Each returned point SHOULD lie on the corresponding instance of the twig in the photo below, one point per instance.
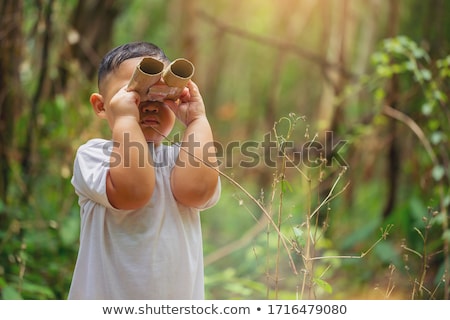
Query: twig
(410, 123)
(330, 195)
(384, 234)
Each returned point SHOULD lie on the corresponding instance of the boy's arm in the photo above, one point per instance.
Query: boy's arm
(193, 179)
(131, 178)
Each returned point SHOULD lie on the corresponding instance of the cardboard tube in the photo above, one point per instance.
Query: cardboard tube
(146, 74)
(177, 75)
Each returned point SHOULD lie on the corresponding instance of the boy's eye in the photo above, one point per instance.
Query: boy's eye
(147, 104)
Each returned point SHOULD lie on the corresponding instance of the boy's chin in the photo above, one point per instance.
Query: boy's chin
(154, 138)
(154, 133)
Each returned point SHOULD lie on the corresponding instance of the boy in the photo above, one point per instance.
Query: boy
(140, 199)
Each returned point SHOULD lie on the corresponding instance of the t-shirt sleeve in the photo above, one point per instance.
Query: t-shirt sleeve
(91, 167)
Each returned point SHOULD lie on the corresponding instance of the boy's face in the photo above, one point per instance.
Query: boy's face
(156, 118)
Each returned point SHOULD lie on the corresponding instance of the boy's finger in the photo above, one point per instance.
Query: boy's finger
(171, 104)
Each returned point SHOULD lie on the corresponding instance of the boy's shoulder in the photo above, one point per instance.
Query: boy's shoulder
(94, 143)
(95, 149)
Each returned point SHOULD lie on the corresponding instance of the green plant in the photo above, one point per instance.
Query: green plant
(411, 88)
(299, 257)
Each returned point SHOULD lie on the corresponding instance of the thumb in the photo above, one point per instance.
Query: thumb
(171, 104)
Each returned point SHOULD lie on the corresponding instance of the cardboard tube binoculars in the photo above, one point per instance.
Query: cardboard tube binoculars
(147, 75)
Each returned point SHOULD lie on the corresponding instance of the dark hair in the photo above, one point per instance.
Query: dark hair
(112, 60)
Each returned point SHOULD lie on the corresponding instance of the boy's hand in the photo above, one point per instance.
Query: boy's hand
(124, 104)
(189, 106)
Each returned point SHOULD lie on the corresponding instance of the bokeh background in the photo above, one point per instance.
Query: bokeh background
(350, 96)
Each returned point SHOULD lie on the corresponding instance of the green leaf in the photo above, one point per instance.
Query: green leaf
(10, 293)
(323, 284)
(298, 232)
(286, 186)
(398, 68)
(417, 208)
(380, 94)
(427, 108)
(438, 219)
(419, 52)
(446, 235)
(440, 96)
(380, 58)
(38, 291)
(437, 137)
(434, 124)
(443, 62)
(446, 201)
(426, 74)
(386, 252)
(410, 65)
(384, 71)
(438, 172)
(69, 230)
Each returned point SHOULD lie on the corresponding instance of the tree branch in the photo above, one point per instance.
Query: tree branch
(410, 123)
(275, 43)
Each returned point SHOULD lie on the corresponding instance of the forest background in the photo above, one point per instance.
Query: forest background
(332, 126)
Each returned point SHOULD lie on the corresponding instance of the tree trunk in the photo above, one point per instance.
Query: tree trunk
(92, 29)
(10, 91)
(393, 154)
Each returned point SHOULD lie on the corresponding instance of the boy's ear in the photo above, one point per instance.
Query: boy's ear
(98, 105)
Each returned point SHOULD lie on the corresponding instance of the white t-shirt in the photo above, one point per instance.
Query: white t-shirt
(151, 253)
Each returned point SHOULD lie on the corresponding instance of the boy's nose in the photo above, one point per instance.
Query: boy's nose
(150, 108)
